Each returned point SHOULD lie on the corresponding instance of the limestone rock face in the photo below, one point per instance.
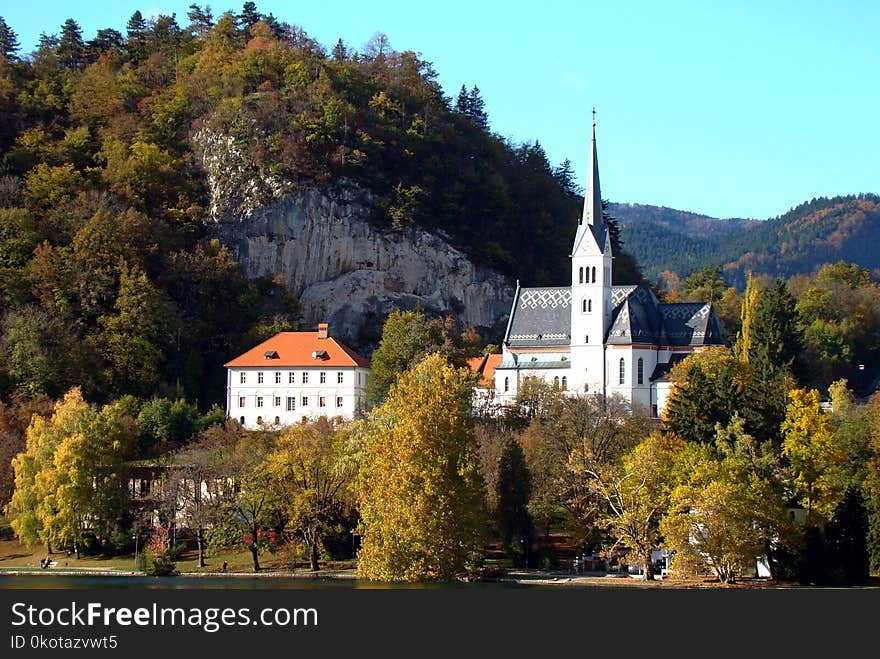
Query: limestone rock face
(352, 275)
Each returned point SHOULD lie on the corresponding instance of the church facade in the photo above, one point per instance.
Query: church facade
(592, 337)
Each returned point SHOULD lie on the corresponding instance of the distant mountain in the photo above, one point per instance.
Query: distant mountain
(816, 232)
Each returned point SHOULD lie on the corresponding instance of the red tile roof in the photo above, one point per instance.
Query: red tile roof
(485, 366)
(298, 349)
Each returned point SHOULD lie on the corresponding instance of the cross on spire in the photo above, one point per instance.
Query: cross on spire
(594, 116)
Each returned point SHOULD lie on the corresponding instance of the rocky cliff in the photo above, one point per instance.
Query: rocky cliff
(344, 270)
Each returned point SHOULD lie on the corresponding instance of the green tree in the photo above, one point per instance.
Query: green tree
(513, 491)
(709, 387)
(71, 49)
(8, 41)
(421, 460)
(136, 34)
(314, 472)
(705, 285)
(135, 337)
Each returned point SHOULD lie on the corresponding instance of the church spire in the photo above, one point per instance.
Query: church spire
(591, 221)
(592, 195)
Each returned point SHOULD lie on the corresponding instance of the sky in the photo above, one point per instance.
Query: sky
(731, 109)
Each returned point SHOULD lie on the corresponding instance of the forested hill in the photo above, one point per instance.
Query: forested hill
(108, 276)
(817, 232)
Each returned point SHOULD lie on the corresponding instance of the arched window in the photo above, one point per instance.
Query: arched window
(594, 274)
(564, 383)
(589, 305)
(556, 382)
(584, 305)
(277, 420)
(588, 275)
(640, 371)
(581, 275)
(622, 370)
(506, 384)
(241, 420)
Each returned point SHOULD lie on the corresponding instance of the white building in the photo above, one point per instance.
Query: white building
(296, 375)
(594, 337)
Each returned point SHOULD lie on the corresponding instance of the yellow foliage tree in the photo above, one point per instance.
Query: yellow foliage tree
(421, 490)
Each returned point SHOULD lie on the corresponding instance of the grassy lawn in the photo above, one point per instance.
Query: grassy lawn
(15, 556)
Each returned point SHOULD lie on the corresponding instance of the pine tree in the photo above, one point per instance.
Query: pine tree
(249, 16)
(340, 52)
(476, 107)
(136, 34)
(71, 49)
(201, 19)
(8, 41)
(513, 489)
(462, 102)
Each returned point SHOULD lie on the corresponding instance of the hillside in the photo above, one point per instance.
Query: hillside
(798, 242)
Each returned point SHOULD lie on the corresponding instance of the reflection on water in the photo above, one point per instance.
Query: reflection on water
(61, 582)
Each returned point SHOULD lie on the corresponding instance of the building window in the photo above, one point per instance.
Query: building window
(305, 401)
(305, 378)
(622, 377)
(322, 401)
(291, 403)
(277, 420)
(277, 401)
(339, 401)
(564, 383)
(259, 401)
(654, 410)
(556, 382)
(242, 378)
(594, 274)
(586, 338)
(277, 377)
(241, 400)
(584, 305)
(260, 377)
(581, 276)
(322, 378)
(340, 377)
(640, 371)
(589, 306)
(291, 378)
(506, 384)
(241, 420)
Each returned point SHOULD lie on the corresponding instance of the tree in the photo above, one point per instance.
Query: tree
(71, 49)
(846, 541)
(8, 41)
(136, 33)
(726, 509)
(71, 476)
(313, 471)
(421, 491)
(407, 337)
(708, 388)
(705, 285)
(340, 51)
(635, 493)
(249, 16)
(513, 491)
(135, 337)
(810, 447)
(201, 20)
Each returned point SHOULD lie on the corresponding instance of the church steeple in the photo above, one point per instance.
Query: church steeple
(591, 221)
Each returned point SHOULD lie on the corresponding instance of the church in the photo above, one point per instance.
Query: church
(593, 337)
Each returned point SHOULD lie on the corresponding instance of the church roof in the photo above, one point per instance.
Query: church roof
(540, 317)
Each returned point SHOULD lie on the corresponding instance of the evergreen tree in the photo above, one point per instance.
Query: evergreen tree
(564, 174)
(105, 41)
(340, 52)
(249, 16)
(462, 103)
(846, 540)
(136, 34)
(201, 19)
(476, 107)
(513, 490)
(71, 49)
(8, 41)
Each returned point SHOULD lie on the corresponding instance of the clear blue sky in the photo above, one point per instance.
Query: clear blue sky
(740, 108)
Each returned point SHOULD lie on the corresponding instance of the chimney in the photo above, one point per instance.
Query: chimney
(323, 330)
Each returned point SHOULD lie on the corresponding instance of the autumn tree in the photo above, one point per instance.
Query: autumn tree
(726, 508)
(634, 493)
(421, 492)
(313, 470)
(71, 477)
(813, 453)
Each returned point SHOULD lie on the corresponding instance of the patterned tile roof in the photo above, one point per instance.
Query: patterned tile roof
(540, 317)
